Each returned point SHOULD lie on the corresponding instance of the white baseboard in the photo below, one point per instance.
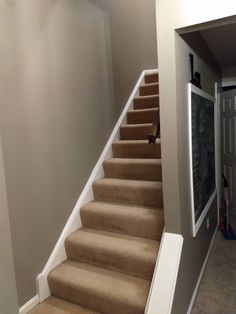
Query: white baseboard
(58, 254)
(29, 305)
(201, 273)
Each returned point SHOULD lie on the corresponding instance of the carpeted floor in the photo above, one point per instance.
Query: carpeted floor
(217, 292)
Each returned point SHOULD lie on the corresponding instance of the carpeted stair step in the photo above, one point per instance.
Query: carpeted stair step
(136, 149)
(149, 89)
(127, 254)
(151, 78)
(146, 102)
(99, 289)
(54, 305)
(148, 193)
(133, 168)
(146, 222)
(136, 131)
(142, 116)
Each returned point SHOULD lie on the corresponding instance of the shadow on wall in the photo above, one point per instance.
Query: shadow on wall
(133, 43)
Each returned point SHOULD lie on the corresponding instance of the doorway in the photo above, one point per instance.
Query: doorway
(214, 44)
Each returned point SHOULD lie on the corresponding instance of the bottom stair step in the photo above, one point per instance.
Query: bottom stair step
(58, 306)
(99, 289)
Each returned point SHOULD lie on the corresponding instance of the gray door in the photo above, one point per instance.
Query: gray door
(228, 143)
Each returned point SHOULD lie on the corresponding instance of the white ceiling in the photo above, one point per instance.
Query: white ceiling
(222, 43)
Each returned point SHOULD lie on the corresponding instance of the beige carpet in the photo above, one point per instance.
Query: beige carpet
(111, 259)
(58, 306)
(217, 292)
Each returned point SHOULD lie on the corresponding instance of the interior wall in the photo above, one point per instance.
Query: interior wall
(8, 293)
(174, 70)
(194, 249)
(229, 77)
(133, 42)
(56, 113)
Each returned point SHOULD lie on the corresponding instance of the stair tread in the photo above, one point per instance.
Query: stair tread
(129, 219)
(127, 254)
(99, 288)
(136, 149)
(123, 207)
(139, 161)
(156, 96)
(136, 131)
(54, 305)
(151, 74)
(133, 168)
(146, 101)
(115, 241)
(127, 183)
(141, 125)
(149, 84)
(140, 192)
(128, 142)
(155, 109)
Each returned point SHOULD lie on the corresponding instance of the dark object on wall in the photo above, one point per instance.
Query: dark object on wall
(195, 78)
(227, 231)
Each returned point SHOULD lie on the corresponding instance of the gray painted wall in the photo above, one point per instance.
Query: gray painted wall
(61, 63)
(174, 74)
(133, 43)
(8, 293)
(56, 114)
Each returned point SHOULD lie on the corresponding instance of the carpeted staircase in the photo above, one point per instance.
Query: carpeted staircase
(111, 259)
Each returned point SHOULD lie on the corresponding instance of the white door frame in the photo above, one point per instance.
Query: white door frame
(217, 149)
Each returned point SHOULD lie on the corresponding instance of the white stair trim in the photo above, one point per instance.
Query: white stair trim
(58, 254)
(164, 280)
(24, 309)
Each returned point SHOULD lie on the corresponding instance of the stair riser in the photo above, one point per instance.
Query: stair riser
(129, 195)
(136, 150)
(149, 227)
(151, 78)
(146, 90)
(88, 298)
(140, 266)
(136, 117)
(146, 103)
(133, 171)
(136, 133)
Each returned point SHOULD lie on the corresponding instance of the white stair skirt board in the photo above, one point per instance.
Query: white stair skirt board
(58, 254)
(164, 280)
(24, 309)
(201, 274)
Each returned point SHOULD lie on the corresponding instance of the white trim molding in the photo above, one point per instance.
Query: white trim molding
(24, 309)
(58, 254)
(218, 148)
(197, 224)
(164, 280)
(201, 273)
